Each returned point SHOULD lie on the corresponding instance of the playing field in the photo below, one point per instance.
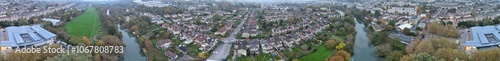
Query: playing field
(87, 24)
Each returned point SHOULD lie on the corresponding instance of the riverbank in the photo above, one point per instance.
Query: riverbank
(363, 49)
(132, 48)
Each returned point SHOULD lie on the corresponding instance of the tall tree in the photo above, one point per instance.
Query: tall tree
(425, 57)
(72, 57)
(486, 55)
(202, 55)
(451, 54)
(407, 57)
(330, 44)
(389, 28)
(441, 42)
(393, 56)
(383, 49)
(86, 41)
(111, 40)
(412, 46)
(101, 43)
(406, 31)
(337, 58)
(344, 54)
(425, 47)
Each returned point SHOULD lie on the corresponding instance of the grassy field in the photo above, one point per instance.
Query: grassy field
(319, 55)
(87, 24)
(265, 57)
(245, 58)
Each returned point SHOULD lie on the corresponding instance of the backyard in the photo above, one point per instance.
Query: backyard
(87, 24)
(319, 55)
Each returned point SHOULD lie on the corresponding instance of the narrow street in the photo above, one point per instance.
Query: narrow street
(224, 48)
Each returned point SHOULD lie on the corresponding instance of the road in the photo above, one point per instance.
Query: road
(437, 13)
(224, 48)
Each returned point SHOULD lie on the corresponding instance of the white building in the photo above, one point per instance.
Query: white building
(403, 10)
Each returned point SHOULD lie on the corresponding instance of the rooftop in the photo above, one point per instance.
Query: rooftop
(484, 36)
(24, 35)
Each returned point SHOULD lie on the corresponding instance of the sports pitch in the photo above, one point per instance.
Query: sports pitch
(87, 24)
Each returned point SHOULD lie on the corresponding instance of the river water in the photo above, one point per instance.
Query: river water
(132, 48)
(363, 49)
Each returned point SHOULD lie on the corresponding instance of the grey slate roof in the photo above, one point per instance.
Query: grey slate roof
(25, 35)
(484, 36)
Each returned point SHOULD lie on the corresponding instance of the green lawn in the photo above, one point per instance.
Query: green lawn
(319, 55)
(296, 51)
(265, 57)
(87, 24)
(193, 50)
(288, 53)
(245, 58)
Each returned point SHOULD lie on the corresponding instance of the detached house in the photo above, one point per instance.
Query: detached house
(241, 47)
(163, 44)
(266, 46)
(222, 31)
(254, 46)
(171, 54)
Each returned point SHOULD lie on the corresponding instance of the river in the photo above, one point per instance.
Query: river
(132, 48)
(363, 49)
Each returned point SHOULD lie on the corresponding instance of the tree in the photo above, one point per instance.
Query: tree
(97, 57)
(425, 57)
(340, 46)
(389, 28)
(202, 55)
(36, 20)
(424, 47)
(442, 42)
(383, 49)
(111, 40)
(295, 59)
(412, 46)
(420, 9)
(134, 28)
(377, 14)
(336, 58)
(75, 40)
(486, 55)
(330, 44)
(343, 54)
(1, 59)
(451, 54)
(349, 38)
(392, 23)
(216, 17)
(449, 23)
(443, 30)
(21, 57)
(407, 57)
(86, 40)
(148, 45)
(406, 31)
(72, 57)
(101, 43)
(393, 56)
